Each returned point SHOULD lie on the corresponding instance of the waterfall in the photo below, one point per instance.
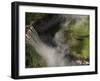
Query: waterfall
(54, 56)
(53, 48)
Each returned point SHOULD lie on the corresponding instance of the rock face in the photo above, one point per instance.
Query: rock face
(47, 27)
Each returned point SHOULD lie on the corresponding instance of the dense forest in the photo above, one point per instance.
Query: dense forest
(66, 33)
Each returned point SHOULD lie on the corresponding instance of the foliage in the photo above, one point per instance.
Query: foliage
(77, 37)
(34, 17)
(32, 58)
